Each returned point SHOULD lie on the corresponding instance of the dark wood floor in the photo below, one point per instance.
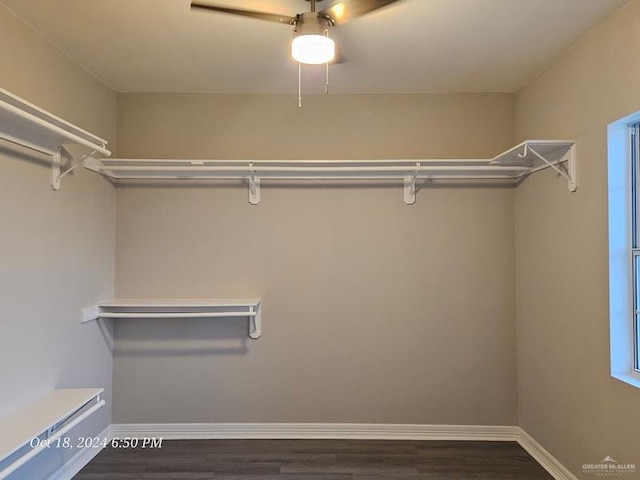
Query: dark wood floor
(316, 460)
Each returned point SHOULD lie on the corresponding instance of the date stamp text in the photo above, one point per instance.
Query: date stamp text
(97, 442)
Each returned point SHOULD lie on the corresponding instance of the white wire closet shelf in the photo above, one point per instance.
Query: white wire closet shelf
(29, 126)
(180, 308)
(41, 424)
(511, 166)
(25, 124)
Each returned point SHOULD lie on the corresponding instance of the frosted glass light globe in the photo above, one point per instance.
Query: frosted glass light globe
(313, 49)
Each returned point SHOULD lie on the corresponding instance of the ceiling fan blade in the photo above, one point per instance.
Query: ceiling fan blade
(270, 17)
(346, 10)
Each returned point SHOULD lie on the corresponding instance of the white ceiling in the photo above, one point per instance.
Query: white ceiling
(410, 46)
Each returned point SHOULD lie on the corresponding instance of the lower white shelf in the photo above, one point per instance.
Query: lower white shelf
(52, 417)
(180, 308)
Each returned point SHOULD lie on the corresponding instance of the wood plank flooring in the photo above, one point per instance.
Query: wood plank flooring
(316, 460)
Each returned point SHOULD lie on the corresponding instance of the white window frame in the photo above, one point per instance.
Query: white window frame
(622, 288)
(634, 132)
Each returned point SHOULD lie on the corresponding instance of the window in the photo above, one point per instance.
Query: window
(624, 248)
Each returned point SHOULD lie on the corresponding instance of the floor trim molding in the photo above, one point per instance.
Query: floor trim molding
(556, 469)
(171, 431)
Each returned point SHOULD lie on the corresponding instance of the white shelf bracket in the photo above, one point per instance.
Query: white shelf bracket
(571, 174)
(56, 176)
(254, 186)
(90, 314)
(56, 161)
(410, 186)
(255, 322)
(572, 168)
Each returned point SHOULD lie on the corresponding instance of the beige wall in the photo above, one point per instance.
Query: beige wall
(327, 127)
(374, 311)
(56, 248)
(567, 400)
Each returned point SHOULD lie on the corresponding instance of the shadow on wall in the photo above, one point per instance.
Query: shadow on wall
(24, 155)
(173, 337)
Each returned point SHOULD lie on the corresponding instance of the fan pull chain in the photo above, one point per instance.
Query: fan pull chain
(326, 78)
(299, 85)
(326, 72)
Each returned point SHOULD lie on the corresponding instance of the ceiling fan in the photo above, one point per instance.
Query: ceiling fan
(311, 42)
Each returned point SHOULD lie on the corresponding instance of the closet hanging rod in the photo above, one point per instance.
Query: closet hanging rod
(493, 176)
(256, 169)
(199, 161)
(104, 314)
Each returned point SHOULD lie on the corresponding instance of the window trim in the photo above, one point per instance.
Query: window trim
(621, 291)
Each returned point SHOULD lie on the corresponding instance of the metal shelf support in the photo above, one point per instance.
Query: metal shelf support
(539, 155)
(255, 321)
(570, 159)
(254, 187)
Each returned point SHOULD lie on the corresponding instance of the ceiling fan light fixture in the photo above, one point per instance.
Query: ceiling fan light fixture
(311, 43)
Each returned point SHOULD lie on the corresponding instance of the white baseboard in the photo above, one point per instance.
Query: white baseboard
(353, 431)
(175, 431)
(543, 457)
(79, 460)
